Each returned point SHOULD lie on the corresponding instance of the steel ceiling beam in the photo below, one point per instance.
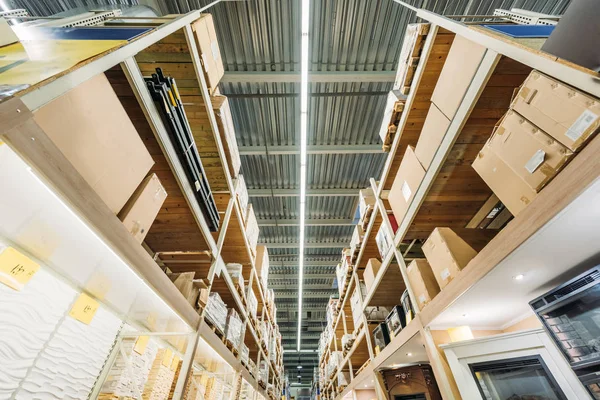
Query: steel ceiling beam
(313, 76)
(316, 149)
(295, 277)
(307, 222)
(332, 263)
(307, 285)
(296, 192)
(321, 245)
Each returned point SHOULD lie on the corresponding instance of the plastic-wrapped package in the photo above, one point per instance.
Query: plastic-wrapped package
(263, 371)
(357, 305)
(160, 378)
(377, 314)
(347, 341)
(244, 353)
(343, 378)
(242, 194)
(330, 312)
(251, 301)
(233, 329)
(216, 311)
(357, 238)
(235, 272)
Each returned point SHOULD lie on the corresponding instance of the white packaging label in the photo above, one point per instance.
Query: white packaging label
(214, 47)
(422, 299)
(406, 192)
(445, 274)
(585, 120)
(535, 161)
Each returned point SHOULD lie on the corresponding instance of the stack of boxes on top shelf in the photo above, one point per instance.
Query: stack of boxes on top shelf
(250, 223)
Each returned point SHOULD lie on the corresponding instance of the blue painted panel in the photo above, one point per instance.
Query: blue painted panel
(523, 31)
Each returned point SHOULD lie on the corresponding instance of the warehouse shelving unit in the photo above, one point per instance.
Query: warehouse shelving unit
(181, 240)
(450, 194)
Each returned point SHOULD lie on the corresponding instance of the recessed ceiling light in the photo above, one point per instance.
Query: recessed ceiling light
(299, 367)
(409, 354)
(518, 277)
(299, 376)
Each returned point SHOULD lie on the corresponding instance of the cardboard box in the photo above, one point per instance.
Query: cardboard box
(371, 271)
(366, 201)
(568, 115)
(97, 137)
(208, 46)
(184, 282)
(435, 127)
(422, 281)
(447, 254)
(407, 181)
(142, 208)
(534, 156)
(383, 241)
(222, 111)
(262, 265)
(512, 191)
(388, 113)
(456, 76)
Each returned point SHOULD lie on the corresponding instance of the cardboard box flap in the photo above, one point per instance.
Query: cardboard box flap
(434, 129)
(408, 179)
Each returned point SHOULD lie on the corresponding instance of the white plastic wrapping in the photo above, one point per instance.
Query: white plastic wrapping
(216, 311)
(233, 329)
(251, 302)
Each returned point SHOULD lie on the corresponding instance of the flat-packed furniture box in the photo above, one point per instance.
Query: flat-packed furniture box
(422, 281)
(222, 111)
(371, 271)
(252, 229)
(383, 241)
(210, 55)
(435, 127)
(235, 272)
(184, 282)
(142, 208)
(447, 254)
(408, 178)
(459, 69)
(262, 265)
(97, 137)
(566, 114)
(513, 191)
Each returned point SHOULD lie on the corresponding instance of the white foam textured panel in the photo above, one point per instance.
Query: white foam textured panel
(28, 318)
(72, 360)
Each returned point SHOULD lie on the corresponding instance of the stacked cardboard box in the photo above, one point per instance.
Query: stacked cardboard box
(233, 329)
(141, 209)
(208, 46)
(185, 283)
(222, 111)
(129, 382)
(194, 389)
(371, 271)
(160, 377)
(447, 254)
(331, 311)
(216, 311)
(262, 265)
(391, 117)
(414, 40)
(356, 304)
(547, 124)
(383, 240)
(252, 229)
(357, 237)
(343, 271)
(366, 203)
(244, 353)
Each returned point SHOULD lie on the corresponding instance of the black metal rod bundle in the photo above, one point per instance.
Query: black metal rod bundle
(166, 96)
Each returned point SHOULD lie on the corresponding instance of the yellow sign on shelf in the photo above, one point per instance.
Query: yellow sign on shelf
(16, 269)
(167, 357)
(84, 309)
(175, 362)
(140, 344)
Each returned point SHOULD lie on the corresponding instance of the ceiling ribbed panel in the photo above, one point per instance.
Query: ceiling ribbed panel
(343, 170)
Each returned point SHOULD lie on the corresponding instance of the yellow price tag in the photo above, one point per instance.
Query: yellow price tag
(175, 362)
(84, 309)
(140, 344)
(16, 269)
(167, 357)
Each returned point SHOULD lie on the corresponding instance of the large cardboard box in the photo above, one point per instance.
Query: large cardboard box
(513, 191)
(459, 69)
(422, 281)
(447, 254)
(185, 283)
(262, 265)
(371, 270)
(569, 116)
(97, 137)
(534, 156)
(210, 55)
(222, 111)
(435, 127)
(142, 208)
(407, 181)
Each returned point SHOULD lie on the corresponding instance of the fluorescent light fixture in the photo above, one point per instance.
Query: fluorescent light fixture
(303, 129)
(299, 367)
(409, 354)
